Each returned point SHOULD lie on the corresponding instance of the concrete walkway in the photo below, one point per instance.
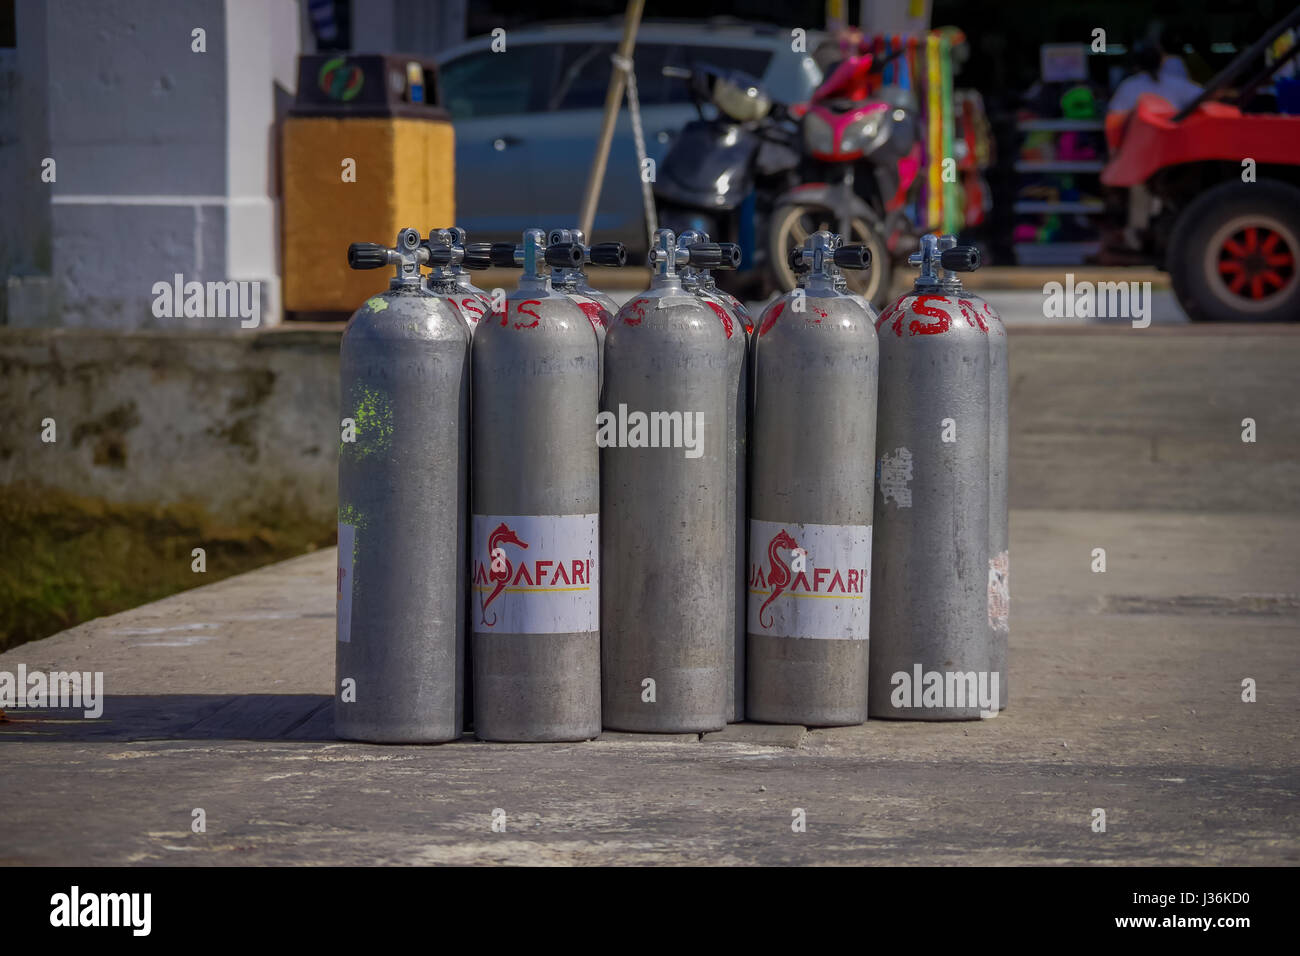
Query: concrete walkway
(1126, 696)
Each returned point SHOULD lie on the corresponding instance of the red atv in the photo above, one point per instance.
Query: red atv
(1228, 181)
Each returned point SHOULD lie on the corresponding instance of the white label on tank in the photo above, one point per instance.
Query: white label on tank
(1000, 591)
(347, 542)
(536, 574)
(894, 478)
(809, 580)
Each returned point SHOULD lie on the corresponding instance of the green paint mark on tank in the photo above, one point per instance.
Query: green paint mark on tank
(351, 515)
(374, 423)
(377, 303)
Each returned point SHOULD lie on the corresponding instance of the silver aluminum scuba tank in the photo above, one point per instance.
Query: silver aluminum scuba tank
(734, 319)
(999, 433)
(403, 482)
(930, 650)
(815, 386)
(536, 509)
(665, 523)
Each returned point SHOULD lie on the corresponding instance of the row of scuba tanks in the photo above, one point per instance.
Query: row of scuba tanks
(557, 515)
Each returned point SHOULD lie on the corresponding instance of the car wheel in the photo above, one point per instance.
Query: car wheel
(1233, 257)
(791, 225)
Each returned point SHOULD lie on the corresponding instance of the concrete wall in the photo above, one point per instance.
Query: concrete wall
(165, 157)
(244, 426)
(247, 425)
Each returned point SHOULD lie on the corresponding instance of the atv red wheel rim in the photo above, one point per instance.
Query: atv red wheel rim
(1256, 262)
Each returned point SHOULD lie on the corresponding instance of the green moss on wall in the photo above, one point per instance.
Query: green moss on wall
(67, 559)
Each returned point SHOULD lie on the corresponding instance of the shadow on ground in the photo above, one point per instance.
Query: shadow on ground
(179, 717)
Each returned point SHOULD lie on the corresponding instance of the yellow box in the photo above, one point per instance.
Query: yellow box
(405, 176)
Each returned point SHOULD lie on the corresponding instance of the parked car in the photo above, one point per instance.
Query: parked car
(527, 118)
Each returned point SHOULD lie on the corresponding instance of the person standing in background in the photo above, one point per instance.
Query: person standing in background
(1162, 72)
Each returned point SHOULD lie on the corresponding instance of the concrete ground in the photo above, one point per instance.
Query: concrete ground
(1126, 697)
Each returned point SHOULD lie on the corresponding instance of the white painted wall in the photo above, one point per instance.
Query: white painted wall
(166, 157)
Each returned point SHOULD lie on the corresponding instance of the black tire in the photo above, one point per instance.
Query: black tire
(1219, 241)
(784, 233)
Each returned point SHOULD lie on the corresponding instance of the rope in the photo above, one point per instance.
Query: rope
(638, 136)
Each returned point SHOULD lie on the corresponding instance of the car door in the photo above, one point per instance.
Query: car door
(494, 100)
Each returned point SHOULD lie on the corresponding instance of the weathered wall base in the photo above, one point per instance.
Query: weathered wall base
(164, 442)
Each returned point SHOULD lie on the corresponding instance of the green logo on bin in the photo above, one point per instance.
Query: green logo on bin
(340, 81)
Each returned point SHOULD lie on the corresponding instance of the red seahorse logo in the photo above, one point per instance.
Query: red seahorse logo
(778, 575)
(499, 566)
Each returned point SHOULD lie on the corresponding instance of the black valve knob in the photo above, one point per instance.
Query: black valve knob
(609, 254)
(705, 255)
(478, 255)
(730, 255)
(503, 254)
(440, 255)
(853, 257)
(960, 259)
(564, 255)
(367, 255)
(795, 259)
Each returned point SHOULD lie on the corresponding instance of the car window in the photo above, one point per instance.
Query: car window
(584, 72)
(583, 77)
(496, 84)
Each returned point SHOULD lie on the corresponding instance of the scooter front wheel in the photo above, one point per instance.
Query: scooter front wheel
(791, 225)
